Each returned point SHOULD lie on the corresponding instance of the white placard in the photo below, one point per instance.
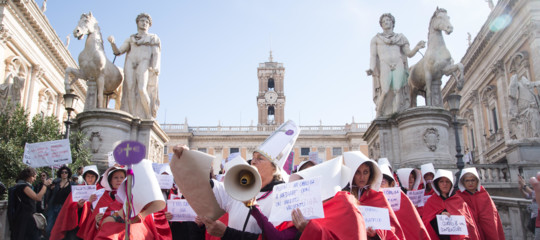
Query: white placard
(314, 157)
(165, 181)
(377, 218)
(181, 211)
(110, 159)
(417, 197)
(425, 200)
(79, 192)
(49, 153)
(453, 225)
(393, 195)
(102, 210)
(98, 193)
(303, 194)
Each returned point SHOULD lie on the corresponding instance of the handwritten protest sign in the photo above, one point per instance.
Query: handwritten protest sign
(377, 218)
(165, 181)
(453, 225)
(393, 195)
(303, 194)
(49, 153)
(103, 210)
(417, 197)
(82, 192)
(98, 193)
(180, 210)
(425, 199)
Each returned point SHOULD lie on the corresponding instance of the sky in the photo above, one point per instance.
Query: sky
(211, 50)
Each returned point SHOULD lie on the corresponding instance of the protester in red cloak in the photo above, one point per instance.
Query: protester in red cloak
(482, 206)
(73, 214)
(112, 180)
(444, 203)
(408, 217)
(364, 185)
(428, 173)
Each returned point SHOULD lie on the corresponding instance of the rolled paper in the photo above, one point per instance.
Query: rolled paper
(192, 176)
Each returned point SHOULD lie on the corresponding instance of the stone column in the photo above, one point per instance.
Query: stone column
(502, 97)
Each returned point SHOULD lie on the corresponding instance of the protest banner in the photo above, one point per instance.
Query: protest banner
(417, 197)
(303, 194)
(377, 218)
(82, 192)
(44, 154)
(180, 210)
(393, 195)
(165, 181)
(453, 225)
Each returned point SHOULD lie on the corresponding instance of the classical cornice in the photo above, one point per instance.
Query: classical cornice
(39, 29)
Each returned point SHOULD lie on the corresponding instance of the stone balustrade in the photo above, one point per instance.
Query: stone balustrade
(254, 130)
(514, 215)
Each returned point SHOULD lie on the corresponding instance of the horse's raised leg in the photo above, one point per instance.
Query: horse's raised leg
(72, 75)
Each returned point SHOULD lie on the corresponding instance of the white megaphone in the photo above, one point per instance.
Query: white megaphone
(242, 181)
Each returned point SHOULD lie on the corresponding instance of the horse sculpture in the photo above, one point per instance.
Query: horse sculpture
(425, 76)
(94, 66)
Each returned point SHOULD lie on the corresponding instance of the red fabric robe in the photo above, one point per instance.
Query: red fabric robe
(374, 198)
(88, 230)
(342, 220)
(161, 226)
(68, 218)
(485, 214)
(410, 220)
(455, 205)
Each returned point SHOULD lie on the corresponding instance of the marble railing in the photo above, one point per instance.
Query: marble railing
(514, 215)
(214, 130)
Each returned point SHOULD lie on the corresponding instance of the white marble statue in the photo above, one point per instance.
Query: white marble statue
(425, 77)
(524, 108)
(389, 67)
(141, 69)
(94, 66)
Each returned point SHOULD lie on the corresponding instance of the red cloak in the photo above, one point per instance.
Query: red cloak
(455, 205)
(410, 220)
(374, 198)
(116, 231)
(342, 220)
(161, 226)
(88, 230)
(485, 214)
(68, 218)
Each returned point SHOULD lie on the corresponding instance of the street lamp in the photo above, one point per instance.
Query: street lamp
(69, 101)
(453, 103)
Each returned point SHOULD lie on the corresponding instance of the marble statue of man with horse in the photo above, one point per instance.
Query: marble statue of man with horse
(425, 77)
(94, 67)
(389, 67)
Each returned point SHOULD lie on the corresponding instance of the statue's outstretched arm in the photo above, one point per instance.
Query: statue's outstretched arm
(411, 53)
(118, 51)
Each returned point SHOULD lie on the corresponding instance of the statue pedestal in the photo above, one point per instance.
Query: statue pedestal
(414, 137)
(106, 128)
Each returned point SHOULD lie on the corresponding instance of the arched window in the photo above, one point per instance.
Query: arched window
(271, 115)
(271, 84)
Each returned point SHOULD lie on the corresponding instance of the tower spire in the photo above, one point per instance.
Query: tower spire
(271, 58)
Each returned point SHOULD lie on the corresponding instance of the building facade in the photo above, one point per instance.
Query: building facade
(221, 141)
(33, 60)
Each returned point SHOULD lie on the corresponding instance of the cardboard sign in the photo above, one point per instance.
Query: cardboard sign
(79, 192)
(181, 211)
(98, 193)
(49, 153)
(417, 197)
(393, 195)
(165, 181)
(453, 225)
(377, 218)
(303, 194)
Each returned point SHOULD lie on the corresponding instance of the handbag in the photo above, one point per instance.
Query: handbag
(41, 221)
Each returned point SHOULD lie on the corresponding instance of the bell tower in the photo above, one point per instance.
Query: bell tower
(271, 98)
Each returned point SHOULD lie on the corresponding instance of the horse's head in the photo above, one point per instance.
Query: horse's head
(87, 24)
(441, 21)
